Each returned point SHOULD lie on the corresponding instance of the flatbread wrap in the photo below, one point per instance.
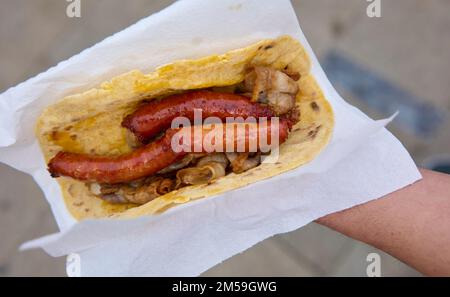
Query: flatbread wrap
(111, 148)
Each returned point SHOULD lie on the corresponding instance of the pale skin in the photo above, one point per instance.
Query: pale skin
(411, 224)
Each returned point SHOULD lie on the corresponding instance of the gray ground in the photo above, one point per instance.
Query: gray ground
(408, 46)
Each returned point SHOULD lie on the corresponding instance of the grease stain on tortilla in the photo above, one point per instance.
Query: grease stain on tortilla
(235, 7)
(196, 40)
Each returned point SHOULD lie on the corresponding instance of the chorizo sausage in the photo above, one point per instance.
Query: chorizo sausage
(156, 155)
(156, 116)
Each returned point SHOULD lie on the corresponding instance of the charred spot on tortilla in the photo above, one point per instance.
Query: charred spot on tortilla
(93, 119)
(313, 133)
(315, 106)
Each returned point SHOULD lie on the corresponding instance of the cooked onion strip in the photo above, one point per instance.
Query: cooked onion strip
(217, 157)
(139, 192)
(241, 162)
(200, 175)
(165, 186)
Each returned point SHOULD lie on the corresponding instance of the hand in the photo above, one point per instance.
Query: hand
(411, 224)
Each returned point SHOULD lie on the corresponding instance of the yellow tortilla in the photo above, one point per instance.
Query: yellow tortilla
(90, 122)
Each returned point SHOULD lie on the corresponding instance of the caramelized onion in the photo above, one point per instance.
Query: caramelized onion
(200, 175)
(240, 162)
(138, 192)
(165, 186)
(144, 194)
(216, 157)
(114, 198)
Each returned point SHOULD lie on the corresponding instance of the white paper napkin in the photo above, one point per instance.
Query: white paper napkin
(362, 162)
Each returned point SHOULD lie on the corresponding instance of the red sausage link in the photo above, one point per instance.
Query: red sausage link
(151, 158)
(139, 163)
(157, 116)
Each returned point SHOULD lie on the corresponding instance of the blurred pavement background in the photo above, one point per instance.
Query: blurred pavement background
(399, 61)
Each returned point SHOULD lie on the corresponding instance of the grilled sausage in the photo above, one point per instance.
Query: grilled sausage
(159, 154)
(156, 116)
